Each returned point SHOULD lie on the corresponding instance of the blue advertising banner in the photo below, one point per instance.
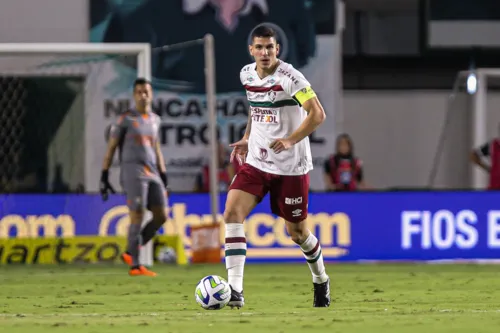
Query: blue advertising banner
(350, 227)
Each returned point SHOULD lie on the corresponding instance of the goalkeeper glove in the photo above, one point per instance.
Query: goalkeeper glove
(105, 186)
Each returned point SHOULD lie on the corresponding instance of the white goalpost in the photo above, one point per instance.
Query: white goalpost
(12, 65)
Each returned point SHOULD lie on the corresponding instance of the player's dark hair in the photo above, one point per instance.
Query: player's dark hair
(140, 81)
(263, 31)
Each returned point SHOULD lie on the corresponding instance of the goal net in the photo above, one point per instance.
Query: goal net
(50, 94)
(57, 103)
(471, 119)
(53, 116)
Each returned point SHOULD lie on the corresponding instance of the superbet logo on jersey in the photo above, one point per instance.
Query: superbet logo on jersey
(265, 116)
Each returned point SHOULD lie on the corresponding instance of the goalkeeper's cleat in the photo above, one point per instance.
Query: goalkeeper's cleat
(237, 300)
(140, 270)
(322, 294)
(127, 258)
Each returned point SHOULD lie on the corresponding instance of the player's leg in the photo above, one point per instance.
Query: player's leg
(311, 250)
(136, 192)
(289, 200)
(158, 205)
(246, 190)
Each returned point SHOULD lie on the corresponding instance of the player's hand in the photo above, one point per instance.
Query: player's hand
(164, 179)
(280, 145)
(105, 186)
(240, 150)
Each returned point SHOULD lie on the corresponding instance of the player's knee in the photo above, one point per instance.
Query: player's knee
(234, 215)
(298, 231)
(159, 216)
(136, 216)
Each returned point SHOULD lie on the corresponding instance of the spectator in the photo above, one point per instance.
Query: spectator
(490, 149)
(343, 171)
(226, 173)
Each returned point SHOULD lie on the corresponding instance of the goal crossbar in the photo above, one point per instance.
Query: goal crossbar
(142, 50)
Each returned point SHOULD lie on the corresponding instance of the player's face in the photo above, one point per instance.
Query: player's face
(265, 51)
(143, 95)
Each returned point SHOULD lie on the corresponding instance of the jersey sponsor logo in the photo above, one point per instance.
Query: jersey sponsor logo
(265, 119)
(288, 75)
(263, 154)
(265, 116)
(256, 95)
(293, 201)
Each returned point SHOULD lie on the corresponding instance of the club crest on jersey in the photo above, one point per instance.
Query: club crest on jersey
(250, 78)
(272, 95)
(271, 81)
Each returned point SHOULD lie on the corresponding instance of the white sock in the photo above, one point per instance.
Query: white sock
(312, 252)
(236, 252)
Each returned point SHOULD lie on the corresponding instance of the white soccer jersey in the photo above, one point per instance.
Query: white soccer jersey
(275, 115)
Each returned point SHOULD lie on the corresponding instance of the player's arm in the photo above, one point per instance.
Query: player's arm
(315, 114)
(249, 126)
(116, 133)
(243, 78)
(160, 161)
(476, 156)
(110, 152)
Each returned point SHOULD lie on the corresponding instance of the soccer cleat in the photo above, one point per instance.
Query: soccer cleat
(237, 300)
(127, 258)
(140, 270)
(322, 294)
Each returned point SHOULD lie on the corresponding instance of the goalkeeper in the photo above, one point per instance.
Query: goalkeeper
(143, 172)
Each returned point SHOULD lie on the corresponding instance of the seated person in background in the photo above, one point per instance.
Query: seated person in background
(343, 171)
(490, 149)
(226, 173)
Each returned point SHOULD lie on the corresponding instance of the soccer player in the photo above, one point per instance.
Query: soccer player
(143, 173)
(284, 111)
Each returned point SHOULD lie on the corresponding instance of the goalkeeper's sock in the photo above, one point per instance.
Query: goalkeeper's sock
(149, 231)
(134, 235)
(312, 252)
(236, 251)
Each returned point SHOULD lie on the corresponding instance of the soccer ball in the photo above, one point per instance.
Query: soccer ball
(167, 255)
(212, 292)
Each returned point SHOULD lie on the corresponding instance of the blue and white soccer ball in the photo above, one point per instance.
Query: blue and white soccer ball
(167, 255)
(212, 292)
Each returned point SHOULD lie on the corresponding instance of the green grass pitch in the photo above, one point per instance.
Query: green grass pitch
(366, 298)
